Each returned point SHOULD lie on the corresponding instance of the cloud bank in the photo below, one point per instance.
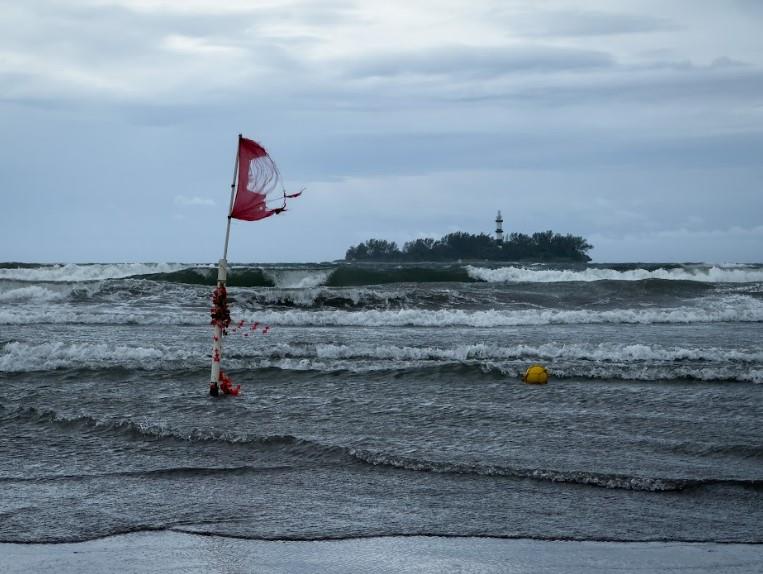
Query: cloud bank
(627, 122)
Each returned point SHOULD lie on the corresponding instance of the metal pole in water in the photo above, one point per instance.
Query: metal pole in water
(217, 337)
(222, 276)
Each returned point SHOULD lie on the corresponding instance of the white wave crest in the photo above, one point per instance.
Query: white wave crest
(68, 314)
(93, 272)
(17, 356)
(715, 274)
(565, 361)
(297, 278)
(31, 293)
(608, 352)
(729, 309)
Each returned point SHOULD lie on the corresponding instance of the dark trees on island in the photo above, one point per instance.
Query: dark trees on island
(541, 246)
(374, 250)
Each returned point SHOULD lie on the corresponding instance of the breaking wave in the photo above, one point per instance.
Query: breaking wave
(353, 275)
(86, 272)
(136, 291)
(22, 357)
(297, 278)
(599, 352)
(64, 314)
(729, 308)
(715, 274)
(343, 275)
(603, 361)
(31, 293)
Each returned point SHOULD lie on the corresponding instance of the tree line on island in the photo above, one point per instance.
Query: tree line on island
(540, 246)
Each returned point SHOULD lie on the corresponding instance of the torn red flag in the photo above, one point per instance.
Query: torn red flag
(258, 179)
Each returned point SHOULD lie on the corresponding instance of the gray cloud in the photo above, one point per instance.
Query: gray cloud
(586, 23)
(109, 52)
(672, 84)
(421, 153)
(640, 123)
(473, 61)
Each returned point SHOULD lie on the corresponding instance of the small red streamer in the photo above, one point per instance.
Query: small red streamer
(220, 312)
(226, 385)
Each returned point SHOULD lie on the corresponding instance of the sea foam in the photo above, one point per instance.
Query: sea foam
(297, 278)
(591, 352)
(734, 308)
(727, 308)
(715, 274)
(565, 360)
(31, 293)
(84, 272)
(21, 357)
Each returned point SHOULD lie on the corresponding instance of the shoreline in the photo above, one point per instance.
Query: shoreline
(163, 551)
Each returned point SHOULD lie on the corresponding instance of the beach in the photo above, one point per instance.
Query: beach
(174, 552)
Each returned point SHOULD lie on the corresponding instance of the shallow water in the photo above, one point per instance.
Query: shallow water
(384, 400)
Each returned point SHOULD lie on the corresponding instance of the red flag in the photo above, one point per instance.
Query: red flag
(257, 177)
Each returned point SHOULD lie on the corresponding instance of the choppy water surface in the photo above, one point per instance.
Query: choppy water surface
(384, 400)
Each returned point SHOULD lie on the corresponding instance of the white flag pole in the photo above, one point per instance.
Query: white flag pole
(222, 276)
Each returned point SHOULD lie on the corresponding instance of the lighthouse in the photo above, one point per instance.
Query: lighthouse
(499, 228)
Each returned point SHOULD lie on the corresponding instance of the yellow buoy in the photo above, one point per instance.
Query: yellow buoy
(536, 375)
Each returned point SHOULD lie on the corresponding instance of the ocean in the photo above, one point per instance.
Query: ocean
(384, 400)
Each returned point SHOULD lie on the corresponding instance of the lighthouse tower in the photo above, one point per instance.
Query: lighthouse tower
(499, 228)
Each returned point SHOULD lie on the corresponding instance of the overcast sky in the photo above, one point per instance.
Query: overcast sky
(637, 124)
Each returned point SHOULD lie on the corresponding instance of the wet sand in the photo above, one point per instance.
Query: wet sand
(180, 552)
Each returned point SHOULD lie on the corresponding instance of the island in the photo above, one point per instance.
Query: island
(544, 246)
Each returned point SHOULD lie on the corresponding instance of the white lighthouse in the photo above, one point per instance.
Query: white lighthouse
(499, 228)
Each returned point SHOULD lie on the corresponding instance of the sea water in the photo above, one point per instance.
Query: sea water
(384, 400)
